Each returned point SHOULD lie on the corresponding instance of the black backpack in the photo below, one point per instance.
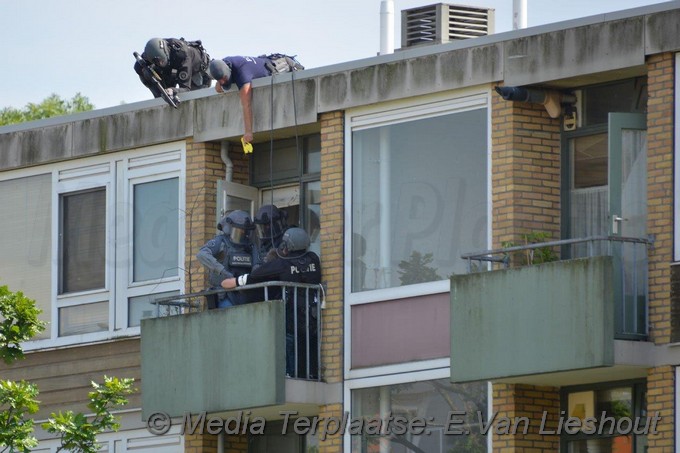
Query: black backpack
(279, 63)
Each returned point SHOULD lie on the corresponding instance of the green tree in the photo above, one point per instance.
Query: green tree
(78, 433)
(51, 106)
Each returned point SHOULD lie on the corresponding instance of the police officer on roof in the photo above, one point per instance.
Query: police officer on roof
(292, 263)
(182, 65)
(228, 255)
(270, 224)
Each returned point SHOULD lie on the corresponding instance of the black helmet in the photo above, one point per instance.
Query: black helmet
(237, 225)
(295, 239)
(219, 69)
(270, 222)
(157, 52)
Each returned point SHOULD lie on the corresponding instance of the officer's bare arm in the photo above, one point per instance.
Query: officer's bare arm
(246, 95)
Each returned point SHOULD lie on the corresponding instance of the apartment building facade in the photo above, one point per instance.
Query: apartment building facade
(399, 166)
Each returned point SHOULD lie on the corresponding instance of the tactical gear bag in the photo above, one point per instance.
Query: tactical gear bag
(279, 63)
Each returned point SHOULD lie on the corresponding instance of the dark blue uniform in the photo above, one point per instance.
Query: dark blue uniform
(300, 267)
(225, 259)
(246, 69)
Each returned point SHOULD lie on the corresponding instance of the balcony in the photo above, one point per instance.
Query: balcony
(222, 361)
(556, 323)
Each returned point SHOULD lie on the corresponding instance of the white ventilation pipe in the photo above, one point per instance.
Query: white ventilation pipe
(386, 27)
(224, 153)
(519, 14)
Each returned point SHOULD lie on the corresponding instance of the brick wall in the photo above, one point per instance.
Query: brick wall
(514, 400)
(332, 226)
(203, 168)
(525, 171)
(661, 399)
(660, 78)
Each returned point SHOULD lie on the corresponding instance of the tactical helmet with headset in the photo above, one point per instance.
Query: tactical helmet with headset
(237, 225)
(157, 52)
(295, 239)
(270, 222)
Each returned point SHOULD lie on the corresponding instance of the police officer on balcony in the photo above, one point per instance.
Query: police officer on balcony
(293, 262)
(270, 224)
(228, 255)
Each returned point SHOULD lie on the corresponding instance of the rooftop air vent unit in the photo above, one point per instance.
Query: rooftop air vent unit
(441, 23)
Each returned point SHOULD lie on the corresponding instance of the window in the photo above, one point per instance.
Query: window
(613, 418)
(119, 240)
(290, 179)
(419, 195)
(26, 242)
(432, 401)
(104, 235)
(155, 230)
(83, 241)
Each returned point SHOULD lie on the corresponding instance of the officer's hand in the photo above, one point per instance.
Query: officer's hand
(228, 283)
(248, 137)
(219, 88)
(171, 91)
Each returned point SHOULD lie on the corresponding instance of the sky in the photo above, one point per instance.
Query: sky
(85, 46)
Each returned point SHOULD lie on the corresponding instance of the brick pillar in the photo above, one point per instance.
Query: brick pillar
(203, 168)
(525, 171)
(511, 401)
(661, 400)
(660, 118)
(332, 225)
(200, 443)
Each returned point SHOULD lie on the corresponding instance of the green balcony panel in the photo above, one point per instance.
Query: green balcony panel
(214, 361)
(532, 320)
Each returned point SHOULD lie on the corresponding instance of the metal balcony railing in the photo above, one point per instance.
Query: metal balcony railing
(630, 279)
(303, 303)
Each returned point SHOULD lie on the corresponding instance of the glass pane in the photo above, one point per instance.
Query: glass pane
(313, 154)
(283, 164)
(431, 401)
(85, 318)
(313, 215)
(83, 247)
(419, 199)
(590, 158)
(590, 193)
(634, 213)
(624, 96)
(140, 307)
(155, 226)
(26, 240)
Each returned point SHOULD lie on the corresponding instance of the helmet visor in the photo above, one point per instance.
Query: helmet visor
(238, 235)
(270, 230)
(264, 230)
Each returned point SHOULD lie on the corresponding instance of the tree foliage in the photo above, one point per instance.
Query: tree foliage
(51, 106)
(19, 323)
(78, 433)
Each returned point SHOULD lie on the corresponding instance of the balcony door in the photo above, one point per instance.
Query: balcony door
(628, 218)
(607, 195)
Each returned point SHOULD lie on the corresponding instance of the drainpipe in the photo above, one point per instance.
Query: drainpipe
(386, 27)
(224, 153)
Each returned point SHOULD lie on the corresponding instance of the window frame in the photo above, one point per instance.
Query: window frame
(118, 173)
(392, 377)
(400, 112)
(638, 388)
